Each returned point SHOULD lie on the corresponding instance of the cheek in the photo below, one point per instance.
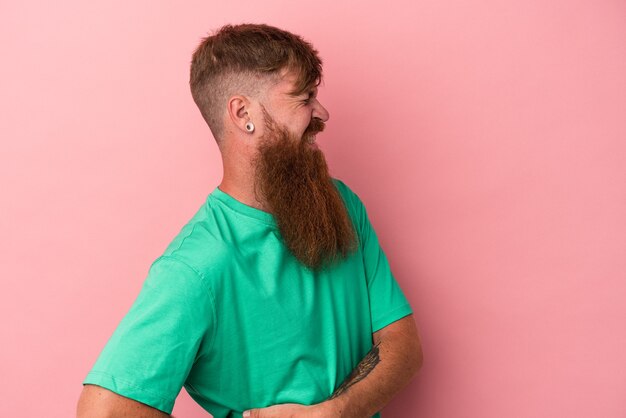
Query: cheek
(298, 126)
(306, 121)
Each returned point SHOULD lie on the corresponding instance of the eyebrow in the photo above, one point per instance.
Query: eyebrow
(312, 90)
(311, 87)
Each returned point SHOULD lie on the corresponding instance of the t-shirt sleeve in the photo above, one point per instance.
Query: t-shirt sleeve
(151, 352)
(387, 301)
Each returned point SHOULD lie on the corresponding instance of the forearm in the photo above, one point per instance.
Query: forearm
(384, 371)
(98, 402)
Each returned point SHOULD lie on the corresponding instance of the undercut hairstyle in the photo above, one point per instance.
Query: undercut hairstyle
(243, 59)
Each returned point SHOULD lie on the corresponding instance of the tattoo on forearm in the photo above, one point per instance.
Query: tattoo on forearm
(364, 368)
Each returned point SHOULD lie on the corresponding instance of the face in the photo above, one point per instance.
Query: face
(296, 114)
(291, 175)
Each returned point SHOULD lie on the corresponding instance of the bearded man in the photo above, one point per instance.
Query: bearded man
(275, 299)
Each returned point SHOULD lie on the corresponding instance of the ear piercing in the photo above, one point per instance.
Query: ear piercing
(250, 127)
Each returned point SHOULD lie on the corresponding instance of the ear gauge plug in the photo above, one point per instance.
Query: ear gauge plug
(250, 127)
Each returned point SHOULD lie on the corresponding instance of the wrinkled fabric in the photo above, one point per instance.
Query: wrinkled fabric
(227, 312)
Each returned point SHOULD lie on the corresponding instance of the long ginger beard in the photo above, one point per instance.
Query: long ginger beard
(293, 179)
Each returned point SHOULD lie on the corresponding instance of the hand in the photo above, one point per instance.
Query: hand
(293, 410)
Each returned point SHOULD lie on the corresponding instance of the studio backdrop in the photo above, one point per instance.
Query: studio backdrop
(486, 138)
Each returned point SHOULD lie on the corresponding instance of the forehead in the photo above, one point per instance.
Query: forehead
(286, 84)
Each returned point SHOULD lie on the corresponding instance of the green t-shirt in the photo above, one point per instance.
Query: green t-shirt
(230, 314)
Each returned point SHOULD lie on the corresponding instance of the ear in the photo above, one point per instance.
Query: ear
(239, 112)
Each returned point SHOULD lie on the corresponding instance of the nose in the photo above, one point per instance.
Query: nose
(320, 112)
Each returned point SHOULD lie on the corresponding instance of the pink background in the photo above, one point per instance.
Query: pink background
(486, 138)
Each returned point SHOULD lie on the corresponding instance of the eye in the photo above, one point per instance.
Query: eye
(311, 95)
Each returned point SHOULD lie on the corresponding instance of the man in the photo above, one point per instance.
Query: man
(275, 299)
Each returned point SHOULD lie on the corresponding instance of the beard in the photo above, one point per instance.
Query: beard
(291, 176)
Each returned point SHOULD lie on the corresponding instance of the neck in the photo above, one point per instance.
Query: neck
(238, 182)
(243, 193)
(239, 174)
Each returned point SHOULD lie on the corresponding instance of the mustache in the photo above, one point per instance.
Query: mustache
(316, 125)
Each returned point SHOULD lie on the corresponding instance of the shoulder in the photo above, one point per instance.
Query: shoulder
(353, 202)
(341, 186)
(348, 195)
(198, 247)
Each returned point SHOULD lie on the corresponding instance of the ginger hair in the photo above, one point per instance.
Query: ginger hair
(243, 59)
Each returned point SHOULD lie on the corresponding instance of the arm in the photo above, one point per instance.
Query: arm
(98, 402)
(389, 366)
